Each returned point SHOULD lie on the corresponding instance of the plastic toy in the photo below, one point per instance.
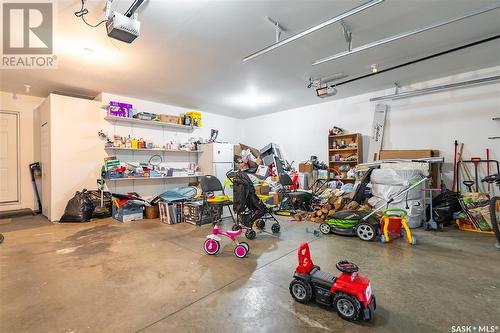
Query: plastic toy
(218, 240)
(359, 223)
(350, 294)
(393, 222)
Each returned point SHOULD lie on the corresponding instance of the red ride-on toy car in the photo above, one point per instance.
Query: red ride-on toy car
(350, 294)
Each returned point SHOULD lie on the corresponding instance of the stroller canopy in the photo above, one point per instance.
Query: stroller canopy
(244, 194)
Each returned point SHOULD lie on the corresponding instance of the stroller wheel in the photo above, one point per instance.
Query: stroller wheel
(235, 227)
(260, 224)
(250, 234)
(275, 228)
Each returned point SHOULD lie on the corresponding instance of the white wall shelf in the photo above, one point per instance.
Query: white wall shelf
(153, 178)
(155, 150)
(148, 123)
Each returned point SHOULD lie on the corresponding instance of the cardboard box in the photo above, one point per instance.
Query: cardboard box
(409, 154)
(240, 166)
(128, 212)
(262, 189)
(306, 167)
(254, 151)
(166, 118)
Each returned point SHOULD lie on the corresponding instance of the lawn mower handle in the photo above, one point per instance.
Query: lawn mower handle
(364, 219)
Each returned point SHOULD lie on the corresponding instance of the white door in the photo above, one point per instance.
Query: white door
(9, 162)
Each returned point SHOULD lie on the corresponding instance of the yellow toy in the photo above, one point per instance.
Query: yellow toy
(393, 222)
(219, 198)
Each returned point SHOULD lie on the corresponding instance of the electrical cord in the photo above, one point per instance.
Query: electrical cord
(84, 11)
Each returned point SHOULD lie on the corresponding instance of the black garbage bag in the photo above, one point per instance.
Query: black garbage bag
(79, 208)
(444, 206)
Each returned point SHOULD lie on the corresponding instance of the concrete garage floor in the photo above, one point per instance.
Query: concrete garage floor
(148, 277)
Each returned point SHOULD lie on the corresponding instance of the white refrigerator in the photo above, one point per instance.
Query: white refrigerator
(216, 159)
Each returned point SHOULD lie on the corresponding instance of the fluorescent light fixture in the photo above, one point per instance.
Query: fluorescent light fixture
(315, 28)
(405, 34)
(431, 90)
(252, 98)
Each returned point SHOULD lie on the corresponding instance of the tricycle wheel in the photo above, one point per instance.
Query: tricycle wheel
(301, 291)
(240, 251)
(325, 228)
(236, 227)
(250, 234)
(275, 228)
(211, 246)
(246, 245)
(347, 306)
(366, 232)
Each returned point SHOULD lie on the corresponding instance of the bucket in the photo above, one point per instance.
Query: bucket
(152, 212)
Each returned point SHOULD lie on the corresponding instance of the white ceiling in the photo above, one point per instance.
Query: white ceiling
(190, 53)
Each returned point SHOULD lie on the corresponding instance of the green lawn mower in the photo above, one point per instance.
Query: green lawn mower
(358, 223)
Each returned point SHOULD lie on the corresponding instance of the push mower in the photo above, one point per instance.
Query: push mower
(359, 223)
(350, 294)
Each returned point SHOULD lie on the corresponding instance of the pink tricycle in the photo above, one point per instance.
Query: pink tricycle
(213, 242)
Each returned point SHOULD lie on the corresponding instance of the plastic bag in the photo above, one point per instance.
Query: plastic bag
(444, 206)
(79, 208)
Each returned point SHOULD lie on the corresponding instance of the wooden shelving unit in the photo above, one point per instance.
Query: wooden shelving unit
(334, 141)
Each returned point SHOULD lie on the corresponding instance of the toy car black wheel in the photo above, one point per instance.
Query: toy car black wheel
(325, 228)
(347, 306)
(260, 224)
(346, 266)
(236, 227)
(250, 234)
(366, 232)
(301, 291)
(275, 228)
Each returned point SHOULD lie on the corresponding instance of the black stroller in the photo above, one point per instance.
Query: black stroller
(249, 208)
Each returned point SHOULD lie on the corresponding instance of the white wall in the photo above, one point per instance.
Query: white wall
(426, 122)
(77, 153)
(24, 105)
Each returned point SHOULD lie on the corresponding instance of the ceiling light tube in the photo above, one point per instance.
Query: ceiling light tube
(313, 29)
(431, 90)
(405, 34)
